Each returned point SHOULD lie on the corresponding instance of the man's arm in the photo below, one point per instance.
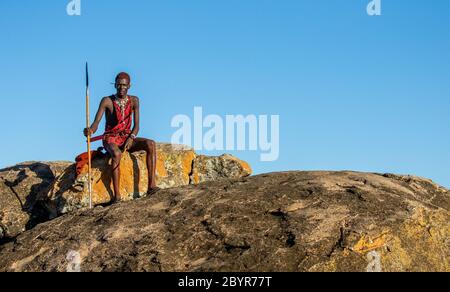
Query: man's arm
(98, 117)
(136, 116)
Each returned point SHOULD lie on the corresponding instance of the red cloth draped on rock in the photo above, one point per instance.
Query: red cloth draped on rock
(119, 133)
(82, 160)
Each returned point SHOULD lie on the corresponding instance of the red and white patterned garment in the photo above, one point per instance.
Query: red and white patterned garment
(119, 133)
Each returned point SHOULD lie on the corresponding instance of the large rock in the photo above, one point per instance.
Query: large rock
(293, 221)
(175, 165)
(22, 189)
(207, 168)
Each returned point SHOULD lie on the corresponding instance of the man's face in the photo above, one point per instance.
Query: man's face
(122, 86)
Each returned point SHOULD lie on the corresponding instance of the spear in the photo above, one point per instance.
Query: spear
(89, 137)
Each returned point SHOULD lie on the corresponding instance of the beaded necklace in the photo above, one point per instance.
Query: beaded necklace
(121, 103)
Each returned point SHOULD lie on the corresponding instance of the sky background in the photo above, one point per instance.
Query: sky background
(353, 92)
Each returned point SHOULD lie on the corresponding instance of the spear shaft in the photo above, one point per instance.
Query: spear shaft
(88, 137)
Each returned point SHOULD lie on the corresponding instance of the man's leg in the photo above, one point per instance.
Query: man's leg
(116, 156)
(149, 146)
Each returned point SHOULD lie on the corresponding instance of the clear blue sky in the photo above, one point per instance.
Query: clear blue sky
(353, 92)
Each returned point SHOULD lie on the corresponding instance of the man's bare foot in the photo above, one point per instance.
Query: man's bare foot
(115, 199)
(111, 202)
(152, 191)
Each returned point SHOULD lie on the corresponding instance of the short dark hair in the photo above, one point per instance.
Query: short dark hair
(123, 75)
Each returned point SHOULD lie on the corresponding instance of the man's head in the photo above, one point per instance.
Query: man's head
(123, 83)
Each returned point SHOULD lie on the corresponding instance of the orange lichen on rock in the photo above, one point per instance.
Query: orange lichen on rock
(368, 243)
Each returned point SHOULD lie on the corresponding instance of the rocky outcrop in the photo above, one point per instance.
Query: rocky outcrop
(207, 168)
(292, 221)
(35, 192)
(22, 189)
(177, 165)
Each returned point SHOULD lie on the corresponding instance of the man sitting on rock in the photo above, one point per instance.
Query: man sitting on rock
(118, 136)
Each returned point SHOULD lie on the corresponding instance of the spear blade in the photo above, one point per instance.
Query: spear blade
(87, 75)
